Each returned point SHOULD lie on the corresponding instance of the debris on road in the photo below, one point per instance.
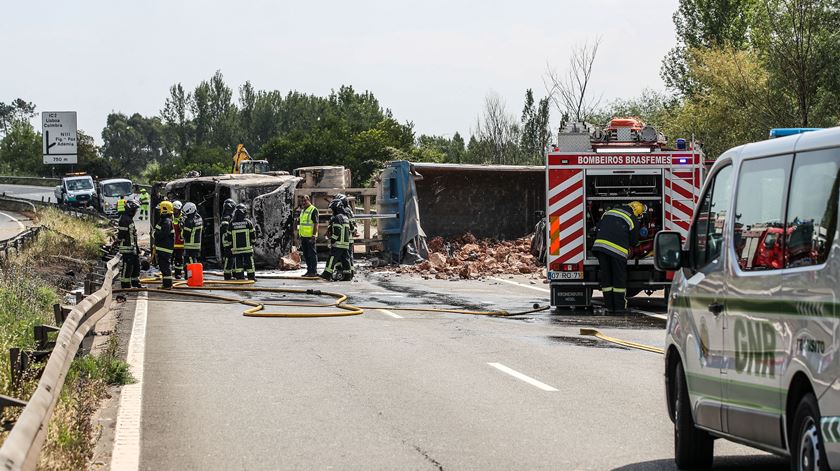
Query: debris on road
(467, 257)
(290, 261)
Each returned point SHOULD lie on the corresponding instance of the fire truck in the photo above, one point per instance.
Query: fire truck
(590, 171)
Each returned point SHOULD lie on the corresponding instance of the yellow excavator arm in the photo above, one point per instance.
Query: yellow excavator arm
(240, 156)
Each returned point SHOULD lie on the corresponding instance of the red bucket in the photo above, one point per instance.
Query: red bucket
(195, 275)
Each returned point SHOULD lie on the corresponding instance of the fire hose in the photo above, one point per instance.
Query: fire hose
(257, 308)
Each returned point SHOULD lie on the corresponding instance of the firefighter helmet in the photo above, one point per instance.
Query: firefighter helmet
(142, 190)
(166, 208)
(177, 205)
(337, 204)
(239, 213)
(188, 209)
(131, 207)
(638, 208)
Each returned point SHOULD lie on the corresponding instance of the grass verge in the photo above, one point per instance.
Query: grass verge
(30, 283)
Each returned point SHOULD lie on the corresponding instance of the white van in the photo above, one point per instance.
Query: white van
(753, 333)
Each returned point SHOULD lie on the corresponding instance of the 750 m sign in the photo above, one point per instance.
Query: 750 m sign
(59, 136)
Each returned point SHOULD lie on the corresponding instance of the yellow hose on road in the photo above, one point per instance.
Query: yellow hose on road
(625, 343)
(257, 307)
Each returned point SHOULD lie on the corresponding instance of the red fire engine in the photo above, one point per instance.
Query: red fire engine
(592, 170)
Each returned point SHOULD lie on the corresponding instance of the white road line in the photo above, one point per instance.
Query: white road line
(385, 311)
(521, 285)
(126, 453)
(20, 224)
(520, 376)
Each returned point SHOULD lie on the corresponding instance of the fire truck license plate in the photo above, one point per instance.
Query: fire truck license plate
(565, 275)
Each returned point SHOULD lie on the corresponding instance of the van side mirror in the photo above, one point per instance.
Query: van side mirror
(667, 251)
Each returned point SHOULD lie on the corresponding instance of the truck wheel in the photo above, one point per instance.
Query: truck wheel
(693, 448)
(807, 448)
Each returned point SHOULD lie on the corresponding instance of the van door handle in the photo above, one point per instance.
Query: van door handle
(716, 308)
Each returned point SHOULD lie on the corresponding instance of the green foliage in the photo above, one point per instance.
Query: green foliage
(20, 150)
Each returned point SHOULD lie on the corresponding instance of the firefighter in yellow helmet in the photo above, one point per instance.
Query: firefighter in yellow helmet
(164, 238)
(618, 233)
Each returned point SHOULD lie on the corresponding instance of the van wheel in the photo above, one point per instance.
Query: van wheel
(807, 449)
(693, 448)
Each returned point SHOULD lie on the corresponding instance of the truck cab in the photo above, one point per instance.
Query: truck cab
(110, 191)
(76, 190)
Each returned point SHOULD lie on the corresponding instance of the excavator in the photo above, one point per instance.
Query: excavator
(243, 163)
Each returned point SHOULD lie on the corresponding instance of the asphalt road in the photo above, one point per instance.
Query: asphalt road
(12, 224)
(406, 390)
(28, 192)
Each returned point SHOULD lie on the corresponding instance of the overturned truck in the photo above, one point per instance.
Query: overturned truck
(270, 203)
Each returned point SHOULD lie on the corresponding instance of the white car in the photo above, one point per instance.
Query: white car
(110, 192)
(76, 190)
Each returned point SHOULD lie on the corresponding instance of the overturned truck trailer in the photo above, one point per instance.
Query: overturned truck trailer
(270, 202)
(490, 201)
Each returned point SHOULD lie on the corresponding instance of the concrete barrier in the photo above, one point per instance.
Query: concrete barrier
(16, 205)
(32, 181)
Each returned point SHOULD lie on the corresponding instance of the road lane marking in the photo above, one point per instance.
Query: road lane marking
(520, 376)
(521, 285)
(126, 453)
(385, 311)
(20, 224)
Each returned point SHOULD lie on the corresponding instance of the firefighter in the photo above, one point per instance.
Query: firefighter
(164, 237)
(340, 265)
(178, 255)
(130, 250)
(227, 260)
(192, 227)
(308, 232)
(239, 239)
(144, 204)
(618, 233)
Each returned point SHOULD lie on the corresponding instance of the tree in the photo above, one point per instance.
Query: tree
(178, 125)
(704, 24)
(535, 132)
(570, 91)
(798, 40)
(132, 143)
(17, 110)
(497, 132)
(20, 150)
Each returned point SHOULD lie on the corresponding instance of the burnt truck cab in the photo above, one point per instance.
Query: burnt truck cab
(270, 203)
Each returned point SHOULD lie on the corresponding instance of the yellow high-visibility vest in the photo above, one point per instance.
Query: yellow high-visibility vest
(306, 226)
(121, 205)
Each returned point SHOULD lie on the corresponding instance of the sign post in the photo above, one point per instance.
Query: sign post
(59, 135)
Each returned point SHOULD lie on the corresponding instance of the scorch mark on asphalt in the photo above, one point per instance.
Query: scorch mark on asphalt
(520, 284)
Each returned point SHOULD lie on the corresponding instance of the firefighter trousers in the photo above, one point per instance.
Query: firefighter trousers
(192, 256)
(227, 264)
(165, 264)
(612, 276)
(178, 262)
(144, 211)
(340, 262)
(243, 264)
(130, 276)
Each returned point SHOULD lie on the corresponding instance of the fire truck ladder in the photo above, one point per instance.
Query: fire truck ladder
(688, 175)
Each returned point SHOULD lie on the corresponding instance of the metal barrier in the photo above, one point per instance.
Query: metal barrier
(19, 241)
(23, 446)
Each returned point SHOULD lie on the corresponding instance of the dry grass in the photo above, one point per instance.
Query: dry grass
(30, 283)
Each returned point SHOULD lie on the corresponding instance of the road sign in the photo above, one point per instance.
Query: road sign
(59, 135)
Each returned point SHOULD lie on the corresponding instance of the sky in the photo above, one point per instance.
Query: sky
(431, 62)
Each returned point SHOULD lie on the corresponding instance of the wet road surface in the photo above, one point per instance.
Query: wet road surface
(397, 389)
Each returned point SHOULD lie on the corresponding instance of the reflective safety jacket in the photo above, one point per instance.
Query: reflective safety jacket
(340, 234)
(165, 235)
(176, 224)
(127, 235)
(239, 237)
(121, 205)
(306, 225)
(191, 232)
(144, 199)
(618, 231)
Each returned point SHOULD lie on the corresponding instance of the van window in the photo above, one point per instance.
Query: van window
(759, 213)
(812, 207)
(711, 219)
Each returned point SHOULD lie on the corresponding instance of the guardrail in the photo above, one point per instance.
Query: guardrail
(32, 181)
(19, 241)
(22, 447)
(12, 203)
